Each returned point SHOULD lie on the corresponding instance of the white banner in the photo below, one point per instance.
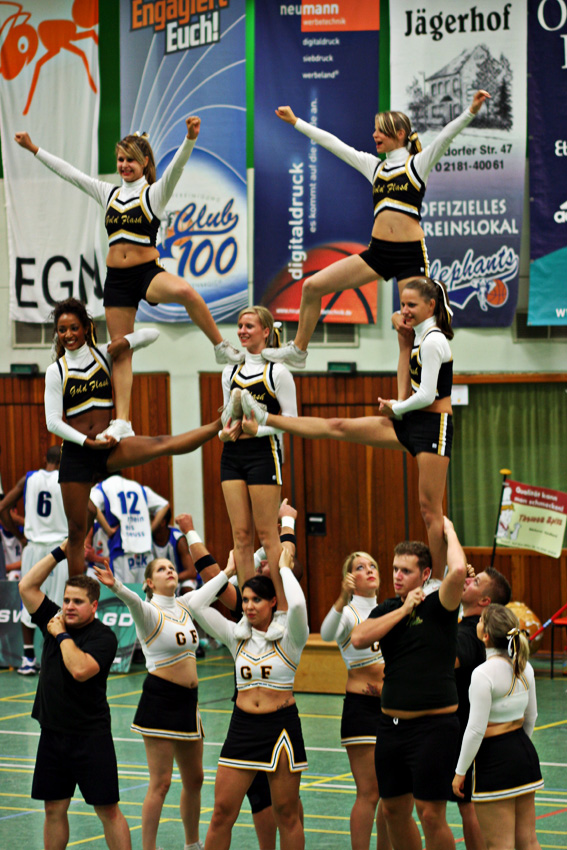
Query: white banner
(49, 87)
(441, 53)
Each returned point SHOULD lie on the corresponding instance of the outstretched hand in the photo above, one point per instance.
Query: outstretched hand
(286, 559)
(287, 510)
(24, 141)
(478, 100)
(104, 573)
(193, 127)
(385, 408)
(231, 431)
(286, 114)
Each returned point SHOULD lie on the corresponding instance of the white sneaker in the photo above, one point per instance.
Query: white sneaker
(250, 405)
(118, 428)
(233, 409)
(225, 352)
(289, 354)
(29, 667)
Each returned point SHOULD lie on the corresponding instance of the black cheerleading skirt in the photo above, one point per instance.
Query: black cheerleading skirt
(505, 766)
(360, 719)
(167, 710)
(256, 741)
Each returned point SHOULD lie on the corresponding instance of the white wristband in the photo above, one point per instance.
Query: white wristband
(288, 522)
(193, 537)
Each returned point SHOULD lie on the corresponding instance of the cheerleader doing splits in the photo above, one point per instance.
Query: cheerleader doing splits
(419, 422)
(506, 771)
(132, 218)
(397, 248)
(361, 708)
(251, 463)
(265, 729)
(78, 387)
(168, 713)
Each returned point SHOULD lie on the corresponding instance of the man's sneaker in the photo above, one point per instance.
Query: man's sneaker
(250, 405)
(225, 352)
(118, 428)
(289, 354)
(29, 667)
(233, 409)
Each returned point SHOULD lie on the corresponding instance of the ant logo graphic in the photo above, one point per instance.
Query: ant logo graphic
(19, 40)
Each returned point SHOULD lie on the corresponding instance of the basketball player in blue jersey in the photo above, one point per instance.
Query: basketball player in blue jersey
(397, 247)
(78, 390)
(251, 464)
(420, 421)
(133, 214)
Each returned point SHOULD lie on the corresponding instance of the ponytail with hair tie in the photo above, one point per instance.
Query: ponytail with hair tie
(275, 336)
(512, 635)
(413, 139)
(445, 299)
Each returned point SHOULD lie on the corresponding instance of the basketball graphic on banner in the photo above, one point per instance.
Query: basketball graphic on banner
(350, 306)
(498, 294)
(529, 622)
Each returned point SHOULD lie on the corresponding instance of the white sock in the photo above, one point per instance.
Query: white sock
(142, 338)
(195, 846)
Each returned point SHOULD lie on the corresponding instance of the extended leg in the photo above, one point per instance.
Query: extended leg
(230, 787)
(284, 788)
(344, 274)
(432, 478)
(402, 828)
(167, 288)
(239, 508)
(75, 496)
(432, 816)
(136, 451)
(498, 824)
(56, 824)
(120, 321)
(189, 758)
(265, 506)
(159, 755)
(361, 759)
(116, 830)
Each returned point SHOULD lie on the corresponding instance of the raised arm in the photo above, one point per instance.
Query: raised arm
(30, 585)
(204, 562)
(162, 190)
(451, 589)
(297, 627)
(199, 602)
(145, 616)
(363, 162)
(97, 189)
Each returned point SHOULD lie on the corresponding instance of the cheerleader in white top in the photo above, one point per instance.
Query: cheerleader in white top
(251, 463)
(420, 421)
(168, 712)
(361, 708)
(506, 771)
(397, 248)
(265, 729)
(78, 405)
(132, 218)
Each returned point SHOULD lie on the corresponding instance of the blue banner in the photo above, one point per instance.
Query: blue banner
(177, 61)
(310, 208)
(547, 88)
(473, 208)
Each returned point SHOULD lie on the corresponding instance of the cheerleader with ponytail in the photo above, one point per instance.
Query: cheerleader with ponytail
(498, 735)
(251, 472)
(419, 421)
(397, 247)
(133, 214)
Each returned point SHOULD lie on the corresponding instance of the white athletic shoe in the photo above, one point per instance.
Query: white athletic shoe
(118, 428)
(29, 667)
(233, 409)
(289, 354)
(250, 405)
(225, 352)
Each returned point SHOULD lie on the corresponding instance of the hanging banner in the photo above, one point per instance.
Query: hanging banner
(547, 87)
(472, 213)
(310, 208)
(49, 87)
(532, 518)
(177, 60)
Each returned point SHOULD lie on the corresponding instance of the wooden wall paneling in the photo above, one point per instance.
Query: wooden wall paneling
(537, 580)
(24, 438)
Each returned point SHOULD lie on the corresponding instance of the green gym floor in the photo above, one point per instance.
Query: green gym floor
(327, 789)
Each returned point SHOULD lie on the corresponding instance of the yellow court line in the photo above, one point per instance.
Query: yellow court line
(550, 725)
(17, 696)
(218, 676)
(319, 782)
(12, 716)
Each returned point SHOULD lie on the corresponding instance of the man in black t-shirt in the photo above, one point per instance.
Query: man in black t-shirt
(418, 730)
(479, 591)
(75, 745)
